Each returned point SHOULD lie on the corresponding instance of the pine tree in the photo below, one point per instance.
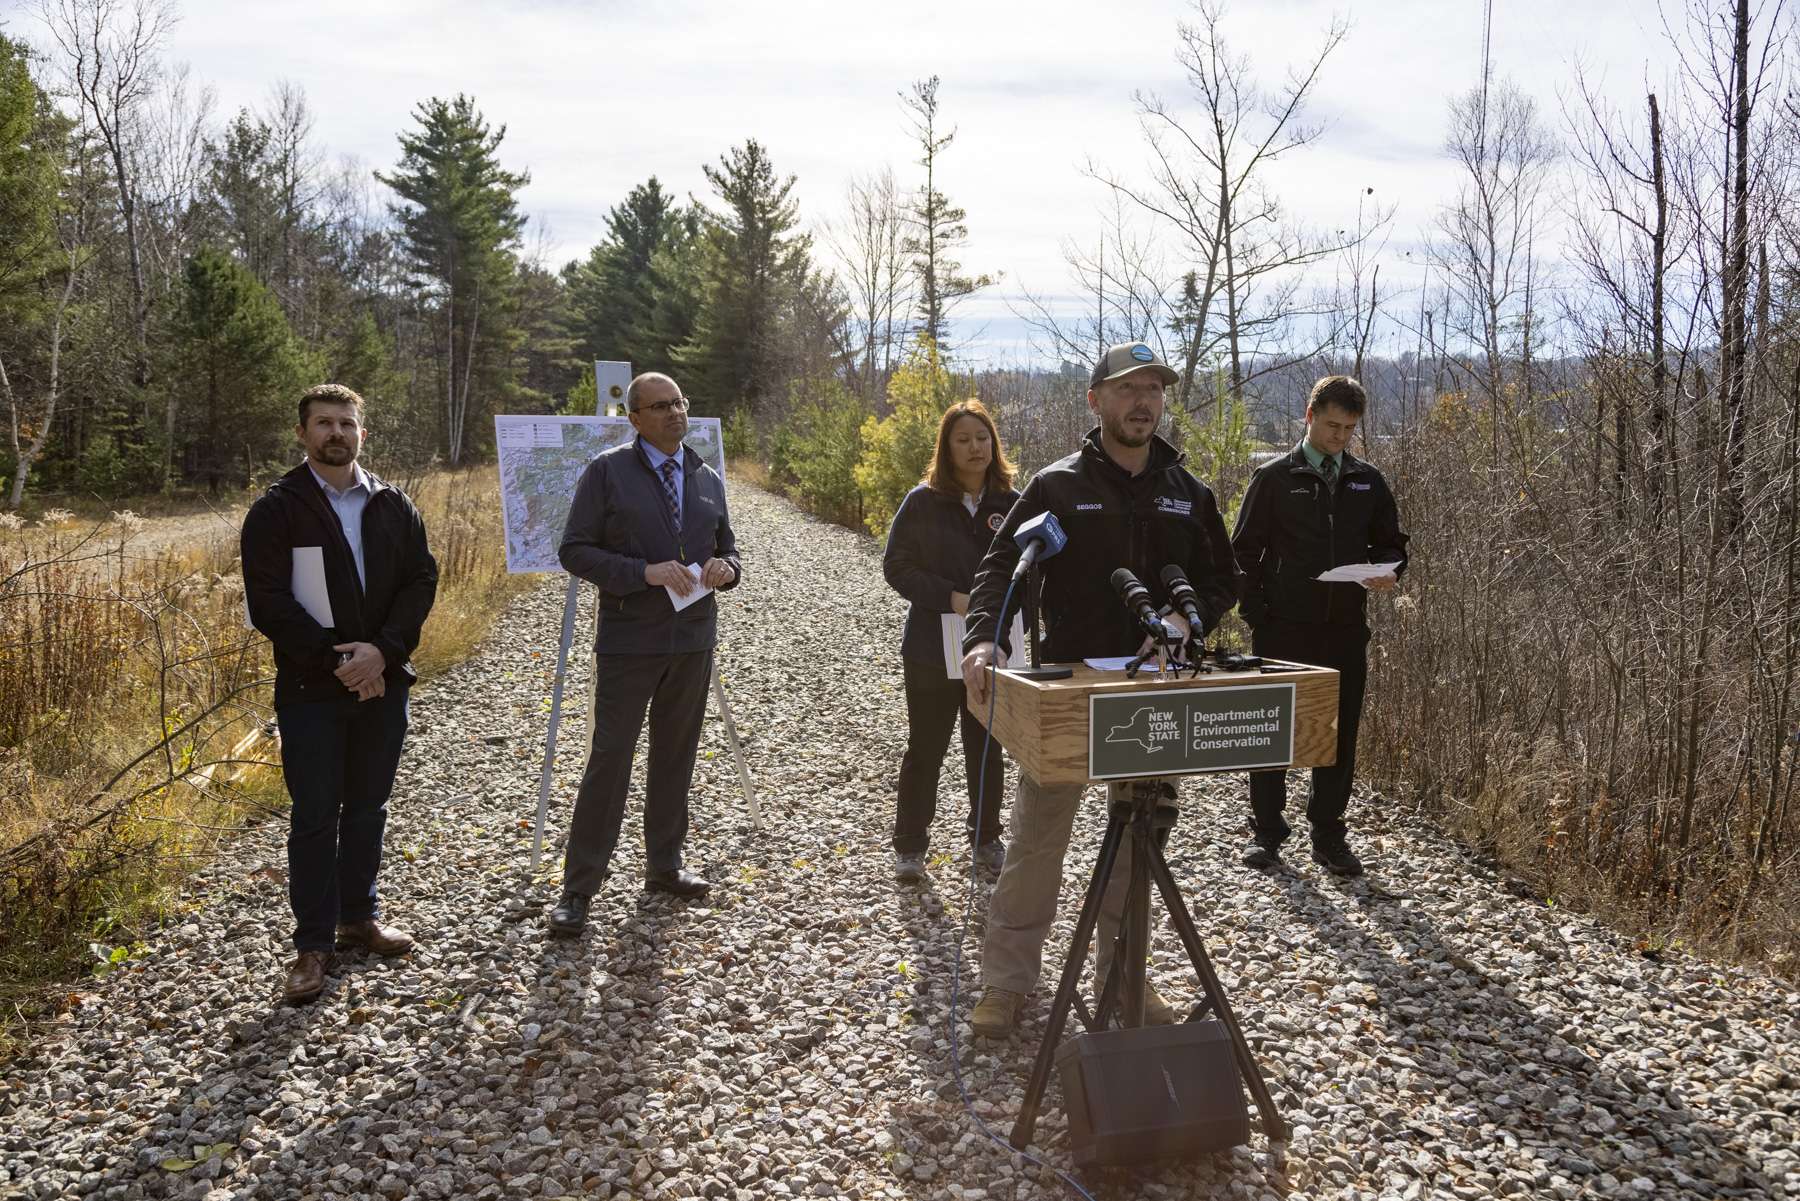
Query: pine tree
(461, 225)
(751, 265)
(39, 235)
(32, 139)
(675, 285)
(610, 291)
(238, 365)
(242, 198)
(364, 360)
(936, 224)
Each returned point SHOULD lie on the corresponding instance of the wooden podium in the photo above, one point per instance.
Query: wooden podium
(1098, 725)
(1045, 724)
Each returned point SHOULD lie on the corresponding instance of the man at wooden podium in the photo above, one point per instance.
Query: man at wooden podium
(1125, 500)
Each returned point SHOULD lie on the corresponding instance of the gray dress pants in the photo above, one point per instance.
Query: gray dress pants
(673, 690)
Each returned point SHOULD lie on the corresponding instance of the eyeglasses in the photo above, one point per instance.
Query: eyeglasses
(679, 404)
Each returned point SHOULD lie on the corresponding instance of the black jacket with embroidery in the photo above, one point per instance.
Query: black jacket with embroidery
(388, 608)
(1144, 522)
(933, 549)
(1291, 528)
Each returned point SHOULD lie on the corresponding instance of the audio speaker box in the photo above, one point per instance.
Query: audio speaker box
(1151, 1093)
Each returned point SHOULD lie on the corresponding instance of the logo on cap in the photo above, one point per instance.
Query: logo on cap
(1143, 354)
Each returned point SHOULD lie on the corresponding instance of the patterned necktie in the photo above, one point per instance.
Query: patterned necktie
(1328, 468)
(669, 493)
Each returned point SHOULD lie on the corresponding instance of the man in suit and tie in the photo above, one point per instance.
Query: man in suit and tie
(646, 517)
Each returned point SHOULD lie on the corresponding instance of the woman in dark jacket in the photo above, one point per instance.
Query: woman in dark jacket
(934, 546)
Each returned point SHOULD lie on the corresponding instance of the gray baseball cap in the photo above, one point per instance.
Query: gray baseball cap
(1123, 358)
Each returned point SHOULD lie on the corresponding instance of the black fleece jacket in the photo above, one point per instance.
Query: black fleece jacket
(1144, 522)
(933, 549)
(1292, 528)
(389, 609)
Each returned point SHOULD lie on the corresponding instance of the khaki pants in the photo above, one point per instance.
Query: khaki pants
(1023, 904)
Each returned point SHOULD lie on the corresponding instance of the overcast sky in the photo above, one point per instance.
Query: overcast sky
(597, 97)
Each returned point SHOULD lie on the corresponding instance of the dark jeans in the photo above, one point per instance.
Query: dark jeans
(1345, 650)
(673, 688)
(933, 706)
(338, 758)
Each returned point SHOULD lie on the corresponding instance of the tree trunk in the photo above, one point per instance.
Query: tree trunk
(1231, 308)
(1659, 365)
(1737, 279)
(24, 457)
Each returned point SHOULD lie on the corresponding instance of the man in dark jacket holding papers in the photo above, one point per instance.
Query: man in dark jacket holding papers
(337, 574)
(1317, 508)
(648, 527)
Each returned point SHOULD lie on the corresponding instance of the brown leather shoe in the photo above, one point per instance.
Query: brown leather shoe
(306, 977)
(369, 933)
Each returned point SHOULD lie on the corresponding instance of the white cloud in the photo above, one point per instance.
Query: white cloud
(598, 97)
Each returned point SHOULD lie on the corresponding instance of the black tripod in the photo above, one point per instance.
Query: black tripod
(1147, 821)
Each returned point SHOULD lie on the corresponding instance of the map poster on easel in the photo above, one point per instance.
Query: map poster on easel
(541, 461)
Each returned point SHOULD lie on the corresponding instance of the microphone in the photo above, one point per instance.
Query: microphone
(1182, 593)
(1041, 537)
(1137, 599)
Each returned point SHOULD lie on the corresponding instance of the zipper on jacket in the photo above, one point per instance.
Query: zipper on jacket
(1330, 543)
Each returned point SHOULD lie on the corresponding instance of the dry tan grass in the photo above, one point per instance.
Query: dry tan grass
(462, 519)
(131, 697)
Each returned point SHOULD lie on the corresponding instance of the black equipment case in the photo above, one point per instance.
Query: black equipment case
(1151, 1093)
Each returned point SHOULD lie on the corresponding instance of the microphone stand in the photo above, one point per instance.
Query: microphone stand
(1028, 605)
(1171, 647)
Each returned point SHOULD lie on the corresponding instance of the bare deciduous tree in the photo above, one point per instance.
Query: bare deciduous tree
(1239, 286)
(869, 243)
(109, 56)
(1486, 251)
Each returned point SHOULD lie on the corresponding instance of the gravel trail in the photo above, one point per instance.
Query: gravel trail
(1428, 1032)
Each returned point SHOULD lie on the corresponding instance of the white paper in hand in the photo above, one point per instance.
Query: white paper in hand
(700, 590)
(1350, 573)
(309, 584)
(955, 626)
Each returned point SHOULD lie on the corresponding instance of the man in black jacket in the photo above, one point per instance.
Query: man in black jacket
(337, 574)
(1125, 500)
(648, 525)
(1315, 508)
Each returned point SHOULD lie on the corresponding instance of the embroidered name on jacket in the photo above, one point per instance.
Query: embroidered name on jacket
(1360, 487)
(1089, 508)
(1175, 504)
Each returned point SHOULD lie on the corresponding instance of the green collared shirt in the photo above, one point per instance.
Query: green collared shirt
(1315, 458)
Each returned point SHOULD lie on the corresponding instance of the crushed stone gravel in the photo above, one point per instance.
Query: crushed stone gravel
(1427, 1031)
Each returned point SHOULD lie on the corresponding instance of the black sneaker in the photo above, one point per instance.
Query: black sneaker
(570, 914)
(1339, 860)
(1262, 857)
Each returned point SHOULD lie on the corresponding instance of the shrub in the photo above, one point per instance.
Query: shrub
(814, 455)
(897, 449)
